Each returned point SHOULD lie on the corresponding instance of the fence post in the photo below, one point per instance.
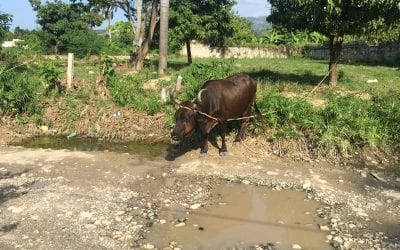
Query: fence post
(70, 70)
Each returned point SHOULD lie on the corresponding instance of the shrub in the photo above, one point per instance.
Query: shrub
(292, 116)
(348, 121)
(17, 94)
(50, 75)
(129, 91)
(196, 74)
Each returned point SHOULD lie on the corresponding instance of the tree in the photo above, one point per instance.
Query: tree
(335, 19)
(59, 20)
(107, 8)
(209, 22)
(164, 6)
(5, 22)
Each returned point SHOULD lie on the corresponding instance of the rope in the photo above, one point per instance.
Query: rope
(252, 116)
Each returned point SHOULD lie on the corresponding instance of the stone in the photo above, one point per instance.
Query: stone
(148, 246)
(296, 246)
(195, 206)
(246, 182)
(181, 224)
(338, 239)
(323, 228)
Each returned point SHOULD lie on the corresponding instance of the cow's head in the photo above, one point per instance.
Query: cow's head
(185, 121)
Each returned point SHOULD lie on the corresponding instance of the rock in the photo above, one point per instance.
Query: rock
(372, 80)
(296, 246)
(246, 182)
(323, 228)
(272, 173)
(306, 185)
(181, 224)
(338, 239)
(44, 128)
(163, 221)
(148, 246)
(16, 210)
(329, 237)
(195, 206)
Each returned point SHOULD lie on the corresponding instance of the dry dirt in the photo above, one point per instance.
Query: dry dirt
(60, 199)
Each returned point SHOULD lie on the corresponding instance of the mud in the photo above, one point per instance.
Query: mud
(250, 199)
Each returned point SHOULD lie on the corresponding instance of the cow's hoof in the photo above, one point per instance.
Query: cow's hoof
(202, 155)
(223, 153)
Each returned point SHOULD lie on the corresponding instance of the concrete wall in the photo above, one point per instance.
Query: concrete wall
(200, 50)
(385, 53)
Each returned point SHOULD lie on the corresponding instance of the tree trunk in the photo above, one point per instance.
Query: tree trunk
(189, 52)
(145, 46)
(139, 7)
(162, 63)
(335, 47)
(109, 17)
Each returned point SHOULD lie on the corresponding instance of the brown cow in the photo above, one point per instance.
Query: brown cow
(217, 102)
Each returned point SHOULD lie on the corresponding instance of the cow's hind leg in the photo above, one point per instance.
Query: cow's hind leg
(242, 131)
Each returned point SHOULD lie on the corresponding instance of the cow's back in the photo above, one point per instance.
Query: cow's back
(230, 97)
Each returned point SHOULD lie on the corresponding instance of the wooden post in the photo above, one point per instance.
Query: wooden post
(70, 70)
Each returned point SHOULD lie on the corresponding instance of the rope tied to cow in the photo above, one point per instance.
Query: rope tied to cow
(217, 119)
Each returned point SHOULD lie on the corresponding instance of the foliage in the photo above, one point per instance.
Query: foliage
(50, 75)
(335, 19)
(243, 32)
(32, 42)
(5, 21)
(195, 75)
(121, 43)
(81, 42)
(63, 21)
(129, 91)
(17, 95)
(107, 69)
(209, 22)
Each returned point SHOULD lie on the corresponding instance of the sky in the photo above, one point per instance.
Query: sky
(25, 17)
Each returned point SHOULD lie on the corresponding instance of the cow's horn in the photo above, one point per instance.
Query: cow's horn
(199, 95)
(172, 97)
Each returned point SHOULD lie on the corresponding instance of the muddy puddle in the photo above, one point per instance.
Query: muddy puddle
(145, 150)
(242, 216)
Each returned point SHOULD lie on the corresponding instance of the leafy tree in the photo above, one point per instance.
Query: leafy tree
(243, 32)
(209, 22)
(5, 22)
(58, 20)
(335, 19)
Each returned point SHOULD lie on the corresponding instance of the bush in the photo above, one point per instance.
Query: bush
(128, 91)
(196, 74)
(349, 121)
(82, 43)
(50, 75)
(291, 116)
(17, 94)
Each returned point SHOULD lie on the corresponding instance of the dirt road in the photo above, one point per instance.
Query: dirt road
(60, 199)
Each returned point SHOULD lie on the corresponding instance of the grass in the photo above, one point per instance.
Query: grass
(356, 113)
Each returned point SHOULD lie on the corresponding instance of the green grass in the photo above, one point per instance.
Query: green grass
(356, 113)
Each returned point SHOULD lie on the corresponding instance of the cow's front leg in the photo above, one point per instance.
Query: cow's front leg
(204, 144)
(222, 132)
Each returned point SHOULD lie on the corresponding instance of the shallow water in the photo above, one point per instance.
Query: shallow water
(142, 149)
(241, 216)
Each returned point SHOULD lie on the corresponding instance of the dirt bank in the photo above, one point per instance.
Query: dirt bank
(52, 199)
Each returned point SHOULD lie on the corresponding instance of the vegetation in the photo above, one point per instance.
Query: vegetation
(335, 19)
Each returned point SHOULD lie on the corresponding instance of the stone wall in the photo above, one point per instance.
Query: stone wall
(200, 50)
(384, 53)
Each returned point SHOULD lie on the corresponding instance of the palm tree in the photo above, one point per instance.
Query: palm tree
(164, 6)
